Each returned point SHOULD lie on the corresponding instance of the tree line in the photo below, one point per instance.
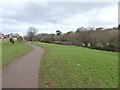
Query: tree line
(99, 38)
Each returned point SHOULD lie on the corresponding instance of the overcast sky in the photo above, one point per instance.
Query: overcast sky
(18, 15)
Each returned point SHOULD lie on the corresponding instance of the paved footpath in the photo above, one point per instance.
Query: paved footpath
(24, 72)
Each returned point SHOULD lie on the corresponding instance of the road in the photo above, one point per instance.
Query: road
(24, 72)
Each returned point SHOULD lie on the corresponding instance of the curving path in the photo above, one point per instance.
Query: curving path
(24, 73)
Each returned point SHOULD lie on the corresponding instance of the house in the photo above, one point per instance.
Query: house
(6, 38)
(13, 36)
(1, 37)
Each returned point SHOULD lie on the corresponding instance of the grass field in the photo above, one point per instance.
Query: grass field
(77, 67)
(10, 52)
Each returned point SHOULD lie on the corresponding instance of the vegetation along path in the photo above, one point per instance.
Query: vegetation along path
(24, 73)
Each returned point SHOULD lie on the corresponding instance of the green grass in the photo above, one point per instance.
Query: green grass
(77, 67)
(10, 52)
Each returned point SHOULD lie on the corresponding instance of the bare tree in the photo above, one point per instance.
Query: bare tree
(32, 31)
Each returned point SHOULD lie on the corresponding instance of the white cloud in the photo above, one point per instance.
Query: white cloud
(107, 16)
(18, 15)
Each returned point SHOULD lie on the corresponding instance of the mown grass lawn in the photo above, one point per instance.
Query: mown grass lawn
(77, 67)
(10, 52)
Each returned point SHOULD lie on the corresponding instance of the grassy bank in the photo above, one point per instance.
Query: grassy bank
(77, 67)
(10, 52)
